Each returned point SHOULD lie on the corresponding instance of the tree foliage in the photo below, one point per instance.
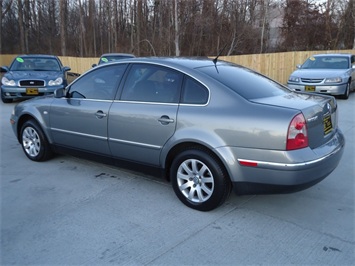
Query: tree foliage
(89, 28)
(311, 25)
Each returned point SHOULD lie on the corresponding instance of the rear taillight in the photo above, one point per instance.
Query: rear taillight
(297, 137)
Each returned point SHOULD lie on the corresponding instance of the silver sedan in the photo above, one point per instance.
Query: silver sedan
(332, 74)
(206, 125)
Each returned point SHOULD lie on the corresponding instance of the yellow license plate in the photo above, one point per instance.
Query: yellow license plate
(327, 122)
(32, 91)
(310, 88)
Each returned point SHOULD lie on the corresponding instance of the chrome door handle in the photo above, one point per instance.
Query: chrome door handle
(165, 120)
(100, 114)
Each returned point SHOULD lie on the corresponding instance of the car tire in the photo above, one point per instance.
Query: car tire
(34, 143)
(347, 92)
(199, 179)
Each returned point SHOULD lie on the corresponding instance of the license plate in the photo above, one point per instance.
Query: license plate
(32, 91)
(327, 122)
(310, 88)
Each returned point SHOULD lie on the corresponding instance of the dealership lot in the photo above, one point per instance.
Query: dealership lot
(70, 211)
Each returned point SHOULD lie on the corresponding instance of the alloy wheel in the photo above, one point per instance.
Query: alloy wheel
(31, 141)
(195, 180)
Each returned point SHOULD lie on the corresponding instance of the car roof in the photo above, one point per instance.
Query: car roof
(117, 54)
(187, 62)
(330, 55)
(37, 55)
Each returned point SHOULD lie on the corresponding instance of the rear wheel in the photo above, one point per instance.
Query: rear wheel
(34, 143)
(199, 179)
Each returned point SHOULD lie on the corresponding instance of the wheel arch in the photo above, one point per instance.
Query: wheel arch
(23, 119)
(190, 145)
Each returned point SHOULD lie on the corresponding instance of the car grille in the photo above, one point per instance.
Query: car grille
(32, 83)
(311, 80)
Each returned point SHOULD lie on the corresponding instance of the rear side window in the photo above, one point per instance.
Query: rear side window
(245, 82)
(194, 92)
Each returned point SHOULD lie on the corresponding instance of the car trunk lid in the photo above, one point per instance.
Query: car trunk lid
(319, 111)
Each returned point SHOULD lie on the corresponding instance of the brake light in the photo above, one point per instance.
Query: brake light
(297, 137)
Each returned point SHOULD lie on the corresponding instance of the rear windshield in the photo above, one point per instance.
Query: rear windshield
(245, 82)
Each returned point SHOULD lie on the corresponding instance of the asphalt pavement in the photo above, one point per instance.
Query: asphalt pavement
(70, 211)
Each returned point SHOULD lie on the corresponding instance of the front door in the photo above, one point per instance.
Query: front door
(80, 120)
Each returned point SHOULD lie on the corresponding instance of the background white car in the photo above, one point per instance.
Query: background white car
(325, 73)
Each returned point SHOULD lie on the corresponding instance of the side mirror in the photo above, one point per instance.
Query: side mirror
(94, 65)
(4, 69)
(65, 69)
(59, 93)
(298, 66)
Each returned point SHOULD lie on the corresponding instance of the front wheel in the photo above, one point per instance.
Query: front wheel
(347, 92)
(199, 180)
(34, 143)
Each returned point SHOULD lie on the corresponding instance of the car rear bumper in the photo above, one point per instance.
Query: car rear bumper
(338, 89)
(288, 171)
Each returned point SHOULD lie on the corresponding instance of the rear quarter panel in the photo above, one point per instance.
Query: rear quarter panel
(229, 120)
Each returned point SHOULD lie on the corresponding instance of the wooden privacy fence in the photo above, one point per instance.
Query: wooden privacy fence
(277, 66)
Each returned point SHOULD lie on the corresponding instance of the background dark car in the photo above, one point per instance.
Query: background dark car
(32, 75)
(111, 57)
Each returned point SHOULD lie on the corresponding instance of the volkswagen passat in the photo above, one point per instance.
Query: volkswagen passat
(32, 75)
(325, 73)
(208, 126)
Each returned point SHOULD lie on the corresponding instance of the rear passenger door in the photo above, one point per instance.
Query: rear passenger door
(143, 117)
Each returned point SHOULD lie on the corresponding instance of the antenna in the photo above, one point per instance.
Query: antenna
(219, 54)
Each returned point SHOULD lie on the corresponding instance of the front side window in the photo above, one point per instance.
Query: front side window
(100, 84)
(152, 83)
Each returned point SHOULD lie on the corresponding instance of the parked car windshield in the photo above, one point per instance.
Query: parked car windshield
(35, 64)
(245, 82)
(326, 62)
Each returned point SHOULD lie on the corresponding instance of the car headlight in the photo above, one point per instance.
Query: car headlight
(333, 80)
(294, 79)
(58, 81)
(8, 82)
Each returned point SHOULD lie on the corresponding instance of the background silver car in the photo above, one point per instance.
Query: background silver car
(205, 125)
(325, 73)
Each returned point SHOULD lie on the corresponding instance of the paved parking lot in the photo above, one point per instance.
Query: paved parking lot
(69, 211)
